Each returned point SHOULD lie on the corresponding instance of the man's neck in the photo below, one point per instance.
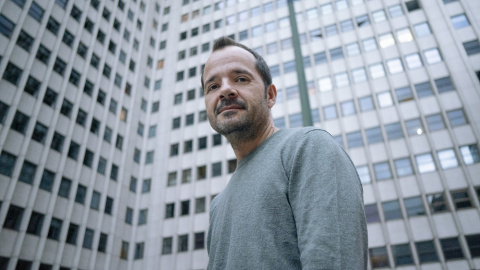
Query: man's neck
(242, 148)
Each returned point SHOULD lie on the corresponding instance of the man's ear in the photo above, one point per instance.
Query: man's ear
(271, 95)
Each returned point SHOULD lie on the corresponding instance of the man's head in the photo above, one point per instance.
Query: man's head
(238, 91)
(260, 63)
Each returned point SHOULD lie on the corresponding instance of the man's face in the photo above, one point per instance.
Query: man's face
(235, 94)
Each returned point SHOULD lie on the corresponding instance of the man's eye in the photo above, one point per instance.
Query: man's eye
(242, 79)
(213, 87)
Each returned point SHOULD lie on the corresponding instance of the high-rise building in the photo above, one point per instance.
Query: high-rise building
(108, 161)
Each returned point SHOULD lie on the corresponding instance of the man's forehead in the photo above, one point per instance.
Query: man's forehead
(231, 53)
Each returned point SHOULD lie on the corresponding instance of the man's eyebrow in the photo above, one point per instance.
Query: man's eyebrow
(242, 71)
(236, 71)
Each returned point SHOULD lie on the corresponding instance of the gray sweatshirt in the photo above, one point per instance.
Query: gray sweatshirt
(295, 202)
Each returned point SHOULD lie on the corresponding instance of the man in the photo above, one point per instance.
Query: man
(295, 200)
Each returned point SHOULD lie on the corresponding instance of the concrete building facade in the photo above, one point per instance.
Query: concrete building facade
(108, 161)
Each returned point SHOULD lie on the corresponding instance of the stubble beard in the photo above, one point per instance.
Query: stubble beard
(241, 126)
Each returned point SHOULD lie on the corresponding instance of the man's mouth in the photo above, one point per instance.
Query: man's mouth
(230, 107)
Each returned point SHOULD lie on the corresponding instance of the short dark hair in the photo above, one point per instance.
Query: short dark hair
(260, 63)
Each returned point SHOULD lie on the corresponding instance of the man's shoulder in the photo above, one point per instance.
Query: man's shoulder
(297, 134)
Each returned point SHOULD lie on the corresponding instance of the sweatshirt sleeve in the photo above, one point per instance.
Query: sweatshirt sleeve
(326, 198)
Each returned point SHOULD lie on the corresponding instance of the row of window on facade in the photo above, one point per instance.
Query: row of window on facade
(447, 158)
(424, 251)
(187, 175)
(188, 145)
(413, 61)
(414, 206)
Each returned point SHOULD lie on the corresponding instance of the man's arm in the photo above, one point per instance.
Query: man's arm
(326, 197)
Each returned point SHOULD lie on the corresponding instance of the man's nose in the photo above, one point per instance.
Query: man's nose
(227, 91)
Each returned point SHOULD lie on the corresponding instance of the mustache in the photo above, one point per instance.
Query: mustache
(225, 103)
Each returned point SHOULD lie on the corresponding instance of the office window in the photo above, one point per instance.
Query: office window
(422, 29)
(189, 119)
(437, 203)
(374, 135)
(346, 25)
(12, 73)
(88, 238)
(50, 97)
(331, 30)
(102, 243)
(447, 158)
(456, 117)
(186, 176)
(88, 25)
(36, 11)
(188, 146)
(39, 132)
(348, 108)
(451, 248)
(72, 234)
(426, 251)
(362, 20)
(472, 47)
(412, 5)
(216, 139)
(48, 178)
(385, 99)
(88, 158)
(169, 210)
(216, 169)
(402, 254)
(14, 217)
(52, 25)
(129, 215)
(43, 54)
(435, 122)
(377, 71)
(199, 240)
(394, 66)
(470, 154)
(182, 243)
(326, 9)
(414, 206)
(20, 122)
(379, 257)
(325, 84)
(364, 174)
(366, 103)
(81, 194)
(425, 163)
(124, 250)
(64, 189)
(473, 242)
(354, 139)
(185, 208)
(461, 199)
(394, 131)
(330, 112)
(432, 56)
(392, 210)
(95, 202)
(27, 173)
(142, 216)
(32, 86)
(444, 84)
(6, 26)
(114, 172)
(382, 171)
(256, 31)
(55, 228)
(403, 167)
(413, 61)
(423, 89)
(379, 16)
(386, 40)
(167, 243)
(352, 49)
(68, 38)
(178, 98)
(404, 94)
(25, 41)
(200, 205)
(459, 21)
